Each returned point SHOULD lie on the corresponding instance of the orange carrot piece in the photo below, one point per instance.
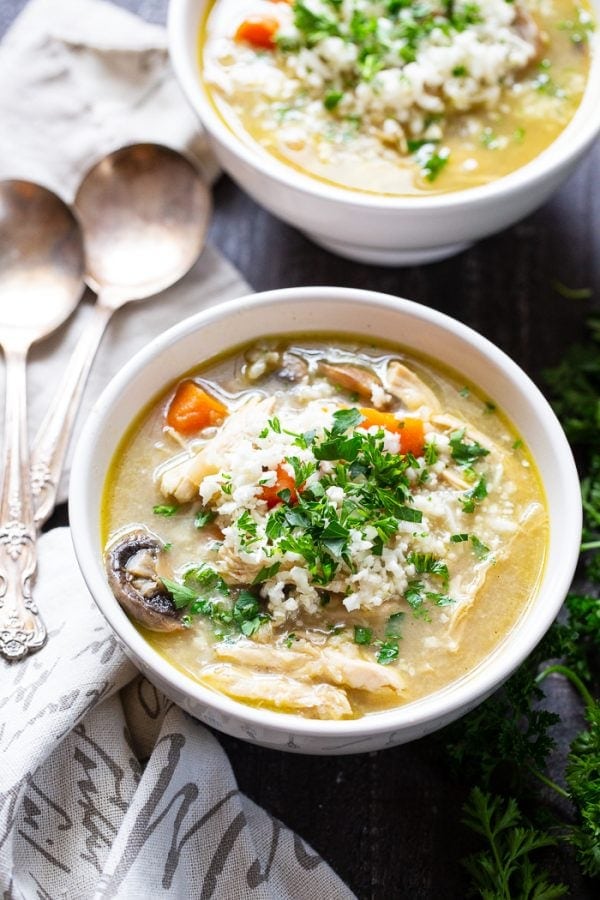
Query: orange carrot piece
(412, 438)
(285, 481)
(259, 31)
(192, 409)
(381, 419)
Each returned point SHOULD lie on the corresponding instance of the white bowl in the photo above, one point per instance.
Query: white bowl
(374, 316)
(367, 227)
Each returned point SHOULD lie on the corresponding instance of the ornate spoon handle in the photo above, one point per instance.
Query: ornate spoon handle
(51, 442)
(21, 628)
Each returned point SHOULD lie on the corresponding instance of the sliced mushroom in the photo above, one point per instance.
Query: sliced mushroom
(356, 379)
(131, 566)
(293, 368)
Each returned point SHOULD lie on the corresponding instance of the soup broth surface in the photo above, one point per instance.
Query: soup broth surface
(343, 527)
(410, 101)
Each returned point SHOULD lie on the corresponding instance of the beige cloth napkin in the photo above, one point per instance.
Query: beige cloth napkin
(80, 78)
(106, 789)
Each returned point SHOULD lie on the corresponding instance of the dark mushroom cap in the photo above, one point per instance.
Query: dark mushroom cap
(131, 569)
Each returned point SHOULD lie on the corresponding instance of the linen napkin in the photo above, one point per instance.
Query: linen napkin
(79, 79)
(107, 790)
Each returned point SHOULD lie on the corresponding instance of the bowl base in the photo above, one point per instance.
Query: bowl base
(383, 257)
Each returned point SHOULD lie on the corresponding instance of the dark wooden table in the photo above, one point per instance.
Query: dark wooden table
(388, 822)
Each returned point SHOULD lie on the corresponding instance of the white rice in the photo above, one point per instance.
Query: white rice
(453, 70)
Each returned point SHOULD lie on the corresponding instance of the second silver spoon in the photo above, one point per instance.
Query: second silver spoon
(144, 211)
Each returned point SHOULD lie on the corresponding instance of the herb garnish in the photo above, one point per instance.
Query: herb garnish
(165, 510)
(376, 495)
(205, 593)
(464, 453)
(505, 744)
(388, 652)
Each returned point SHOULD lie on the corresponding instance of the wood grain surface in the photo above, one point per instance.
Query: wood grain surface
(388, 822)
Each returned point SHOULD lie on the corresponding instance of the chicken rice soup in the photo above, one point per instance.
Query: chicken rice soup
(398, 97)
(327, 532)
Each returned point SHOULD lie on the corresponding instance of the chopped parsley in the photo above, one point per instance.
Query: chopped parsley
(393, 627)
(181, 595)
(464, 453)
(470, 500)
(479, 548)
(428, 564)
(205, 593)
(376, 495)
(266, 572)
(165, 510)
(204, 517)
(332, 99)
(431, 161)
(388, 652)
(362, 635)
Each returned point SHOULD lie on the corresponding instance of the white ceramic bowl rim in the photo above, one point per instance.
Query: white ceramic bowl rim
(577, 135)
(463, 694)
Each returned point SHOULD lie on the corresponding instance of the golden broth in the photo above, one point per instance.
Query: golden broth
(483, 144)
(427, 660)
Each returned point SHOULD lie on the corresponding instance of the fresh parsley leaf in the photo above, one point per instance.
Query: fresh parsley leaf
(480, 550)
(164, 510)
(362, 635)
(393, 628)
(503, 869)
(465, 453)
(204, 517)
(388, 652)
(332, 99)
(266, 572)
(428, 564)
(345, 419)
(181, 595)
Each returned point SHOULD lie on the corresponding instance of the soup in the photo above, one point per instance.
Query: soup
(327, 532)
(398, 97)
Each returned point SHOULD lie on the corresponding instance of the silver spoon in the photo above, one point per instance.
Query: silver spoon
(144, 211)
(41, 281)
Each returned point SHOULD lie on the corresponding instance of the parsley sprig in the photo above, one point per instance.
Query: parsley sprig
(203, 592)
(507, 742)
(376, 496)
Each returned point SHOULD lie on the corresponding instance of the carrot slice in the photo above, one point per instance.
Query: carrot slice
(192, 409)
(412, 437)
(259, 31)
(381, 419)
(285, 481)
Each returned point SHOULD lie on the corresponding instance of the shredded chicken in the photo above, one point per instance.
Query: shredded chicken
(318, 701)
(404, 384)
(345, 668)
(182, 480)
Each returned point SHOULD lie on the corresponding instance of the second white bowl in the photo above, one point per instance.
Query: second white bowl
(376, 228)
